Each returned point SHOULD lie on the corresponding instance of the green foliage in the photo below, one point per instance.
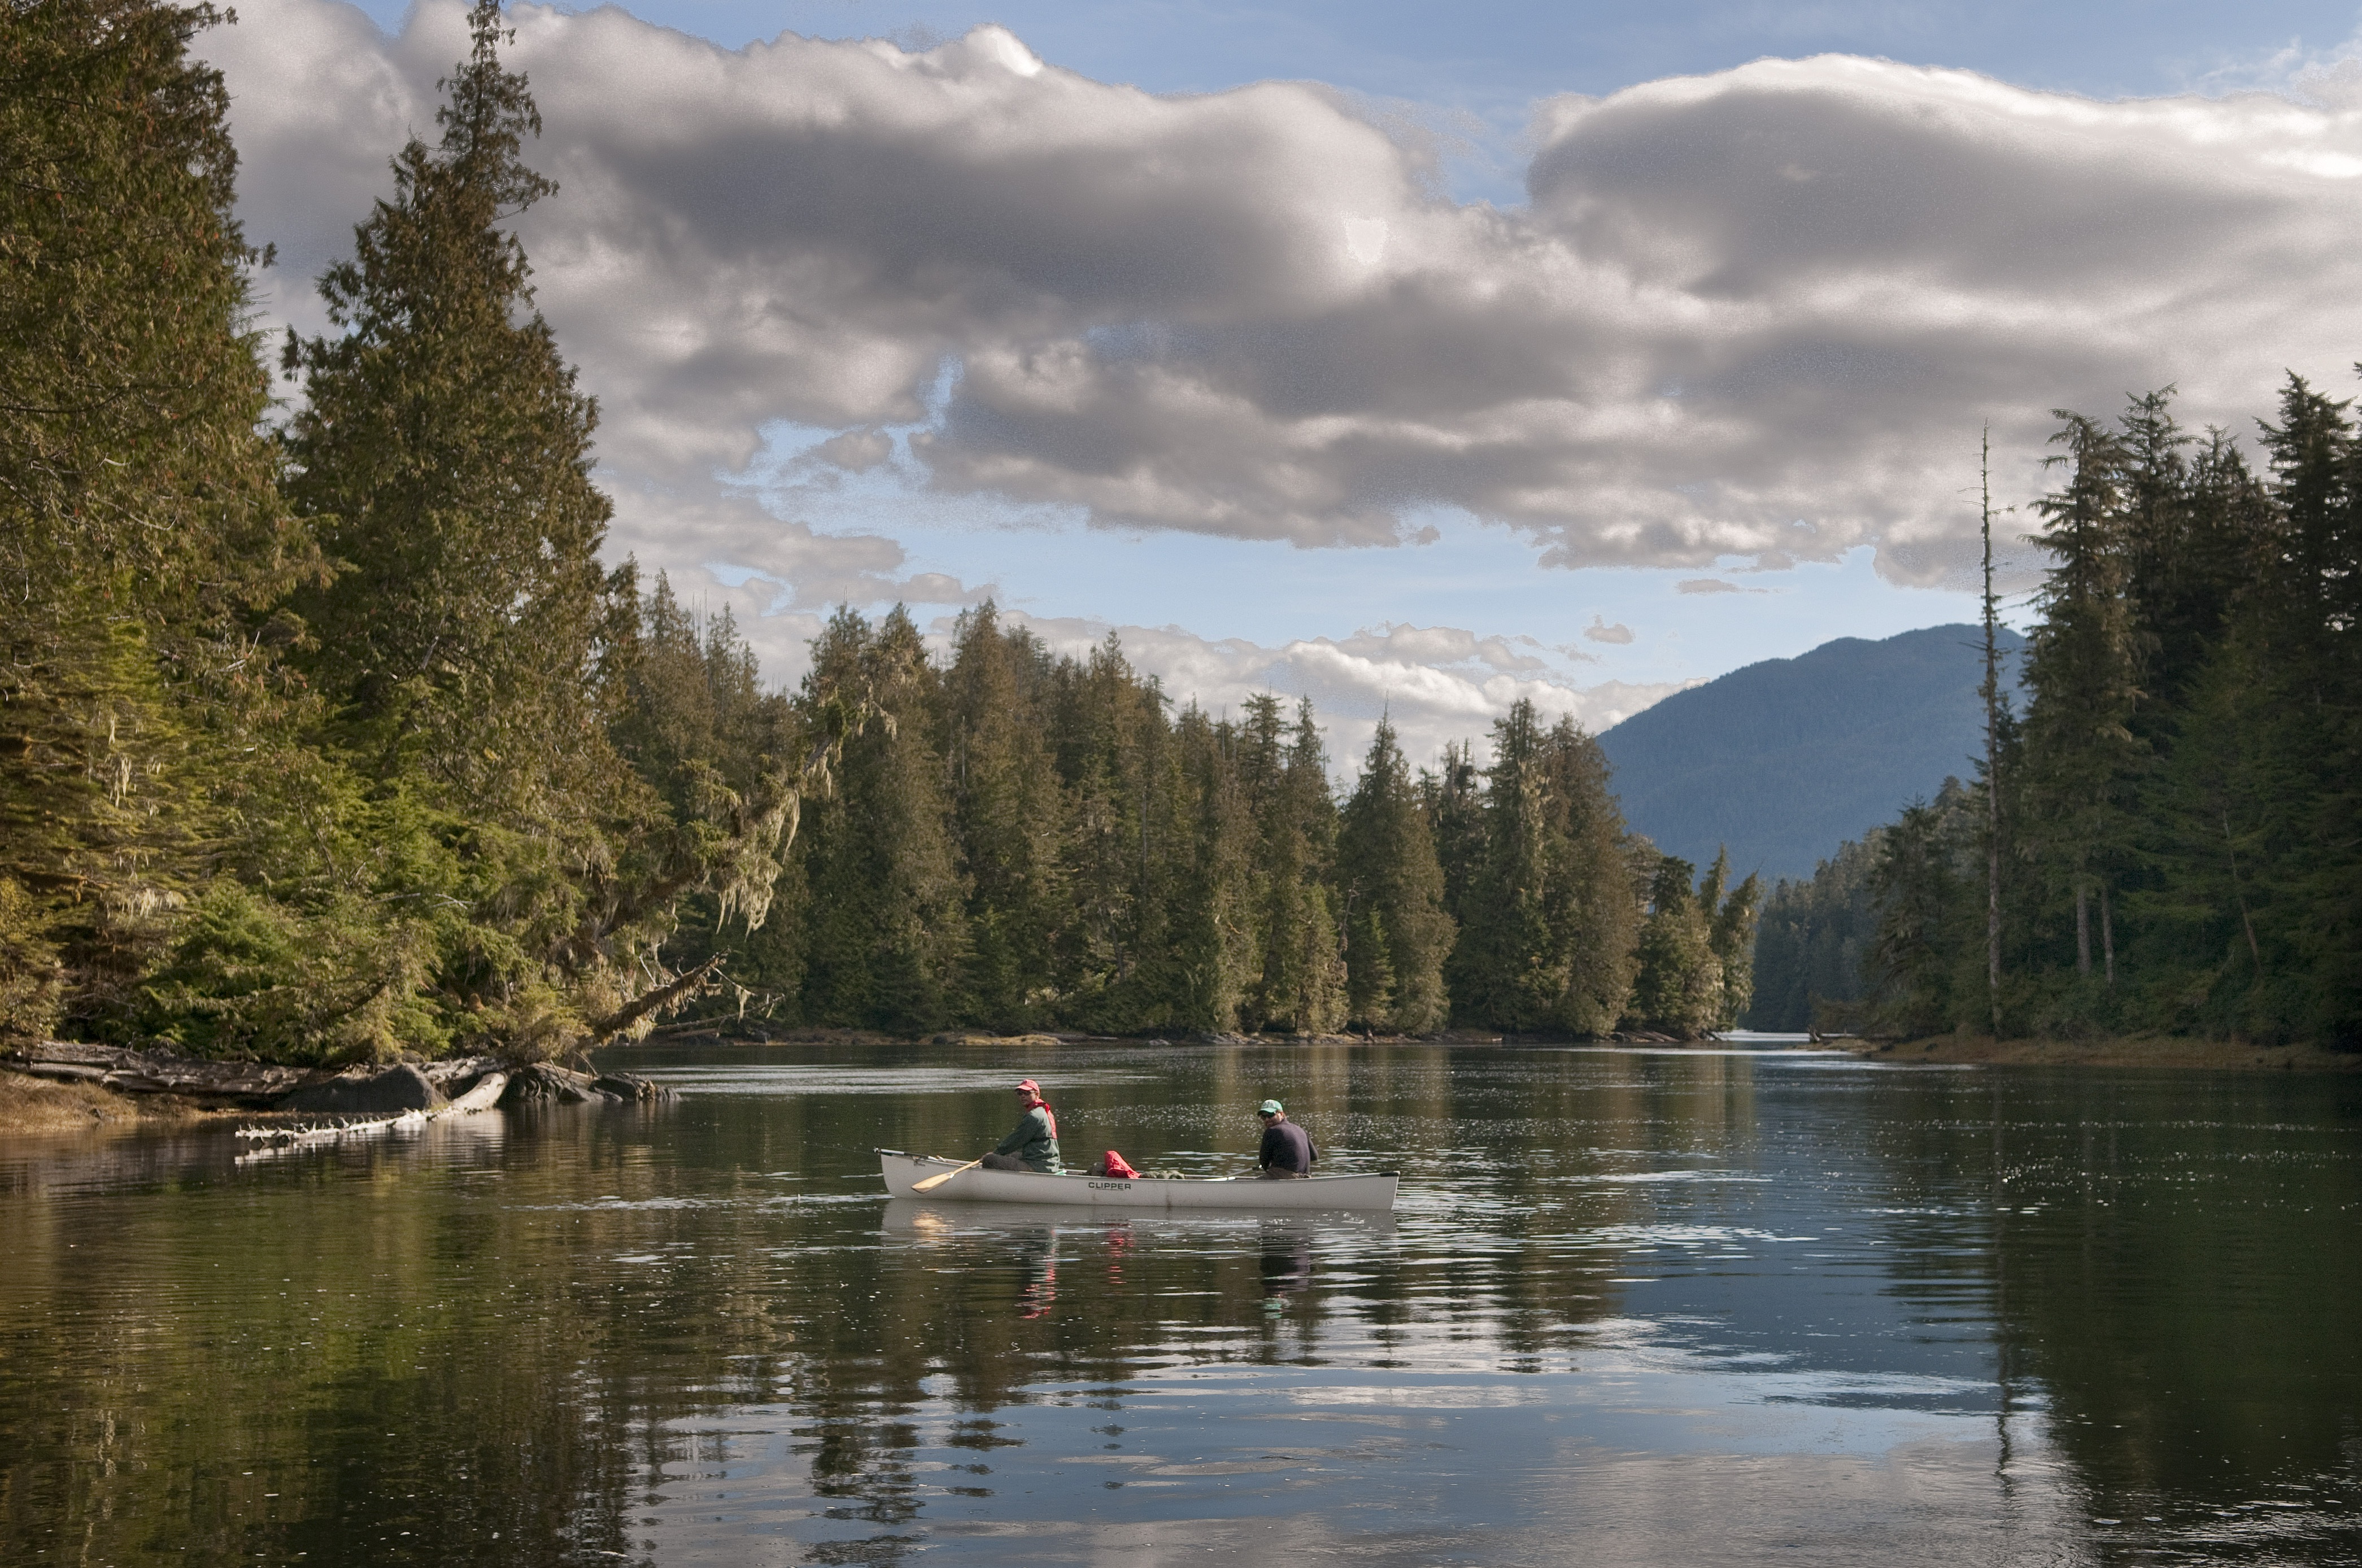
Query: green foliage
(1301, 986)
(1550, 918)
(1397, 935)
(258, 802)
(1814, 941)
(444, 455)
(32, 977)
(2182, 849)
(1696, 951)
(887, 943)
(140, 533)
(1011, 818)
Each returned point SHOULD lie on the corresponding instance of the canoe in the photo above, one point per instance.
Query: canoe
(1373, 1190)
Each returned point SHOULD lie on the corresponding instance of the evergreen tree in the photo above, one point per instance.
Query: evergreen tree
(1593, 904)
(2082, 664)
(1391, 883)
(1316, 992)
(1218, 924)
(1506, 971)
(1009, 815)
(444, 455)
(1732, 913)
(698, 726)
(1132, 846)
(1813, 942)
(1302, 984)
(1678, 985)
(2304, 643)
(141, 540)
(1917, 888)
(1451, 799)
(1695, 951)
(886, 941)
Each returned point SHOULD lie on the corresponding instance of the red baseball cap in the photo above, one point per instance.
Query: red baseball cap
(1029, 1087)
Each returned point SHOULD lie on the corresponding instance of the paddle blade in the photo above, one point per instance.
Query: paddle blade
(933, 1182)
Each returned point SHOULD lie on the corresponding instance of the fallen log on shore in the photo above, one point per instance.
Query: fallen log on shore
(131, 1071)
(322, 1099)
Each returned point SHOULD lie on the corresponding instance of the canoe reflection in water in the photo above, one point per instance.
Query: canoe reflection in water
(1098, 1247)
(1286, 1259)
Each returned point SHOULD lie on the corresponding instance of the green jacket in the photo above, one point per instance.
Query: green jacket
(1034, 1141)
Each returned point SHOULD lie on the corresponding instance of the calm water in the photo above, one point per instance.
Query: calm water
(1671, 1308)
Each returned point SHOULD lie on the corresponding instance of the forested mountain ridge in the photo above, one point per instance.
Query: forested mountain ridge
(333, 739)
(1782, 759)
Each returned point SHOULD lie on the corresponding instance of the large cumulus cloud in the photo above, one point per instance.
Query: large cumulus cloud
(1746, 313)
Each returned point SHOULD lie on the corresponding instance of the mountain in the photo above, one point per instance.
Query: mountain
(1785, 760)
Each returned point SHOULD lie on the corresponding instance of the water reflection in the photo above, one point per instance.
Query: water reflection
(1673, 1307)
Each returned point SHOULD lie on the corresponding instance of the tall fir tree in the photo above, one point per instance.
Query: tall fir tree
(1913, 959)
(1302, 988)
(1011, 817)
(2083, 664)
(1592, 904)
(1391, 885)
(142, 541)
(886, 941)
(1505, 971)
(1220, 928)
(444, 455)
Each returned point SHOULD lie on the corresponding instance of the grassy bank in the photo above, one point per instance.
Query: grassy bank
(33, 1105)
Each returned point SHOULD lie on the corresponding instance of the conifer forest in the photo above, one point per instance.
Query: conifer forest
(326, 735)
(2167, 840)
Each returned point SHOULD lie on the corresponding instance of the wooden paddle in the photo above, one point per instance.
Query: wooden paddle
(933, 1182)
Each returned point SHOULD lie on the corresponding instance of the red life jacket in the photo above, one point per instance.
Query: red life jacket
(1116, 1165)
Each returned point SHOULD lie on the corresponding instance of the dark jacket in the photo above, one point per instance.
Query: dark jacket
(1289, 1146)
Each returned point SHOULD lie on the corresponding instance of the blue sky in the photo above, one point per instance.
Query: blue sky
(1488, 363)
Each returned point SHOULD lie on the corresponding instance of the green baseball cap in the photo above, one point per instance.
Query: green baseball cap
(1269, 1108)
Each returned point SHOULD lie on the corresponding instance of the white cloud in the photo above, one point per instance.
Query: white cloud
(1753, 313)
(1599, 630)
(1438, 683)
(1758, 315)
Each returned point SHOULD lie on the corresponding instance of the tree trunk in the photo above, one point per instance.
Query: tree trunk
(1991, 692)
(2082, 929)
(2107, 936)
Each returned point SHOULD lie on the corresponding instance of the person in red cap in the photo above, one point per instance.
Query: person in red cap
(1034, 1145)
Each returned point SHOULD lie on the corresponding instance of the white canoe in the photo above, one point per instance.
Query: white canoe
(1375, 1190)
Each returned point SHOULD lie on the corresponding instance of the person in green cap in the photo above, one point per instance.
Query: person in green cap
(1287, 1153)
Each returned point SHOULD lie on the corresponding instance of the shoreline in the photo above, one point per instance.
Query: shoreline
(2174, 1051)
(33, 1107)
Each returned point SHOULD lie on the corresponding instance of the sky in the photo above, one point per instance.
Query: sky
(1412, 359)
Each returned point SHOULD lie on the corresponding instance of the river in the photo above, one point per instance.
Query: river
(1634, 1307)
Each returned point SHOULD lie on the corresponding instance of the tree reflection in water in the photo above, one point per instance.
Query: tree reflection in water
(1670, 1307)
